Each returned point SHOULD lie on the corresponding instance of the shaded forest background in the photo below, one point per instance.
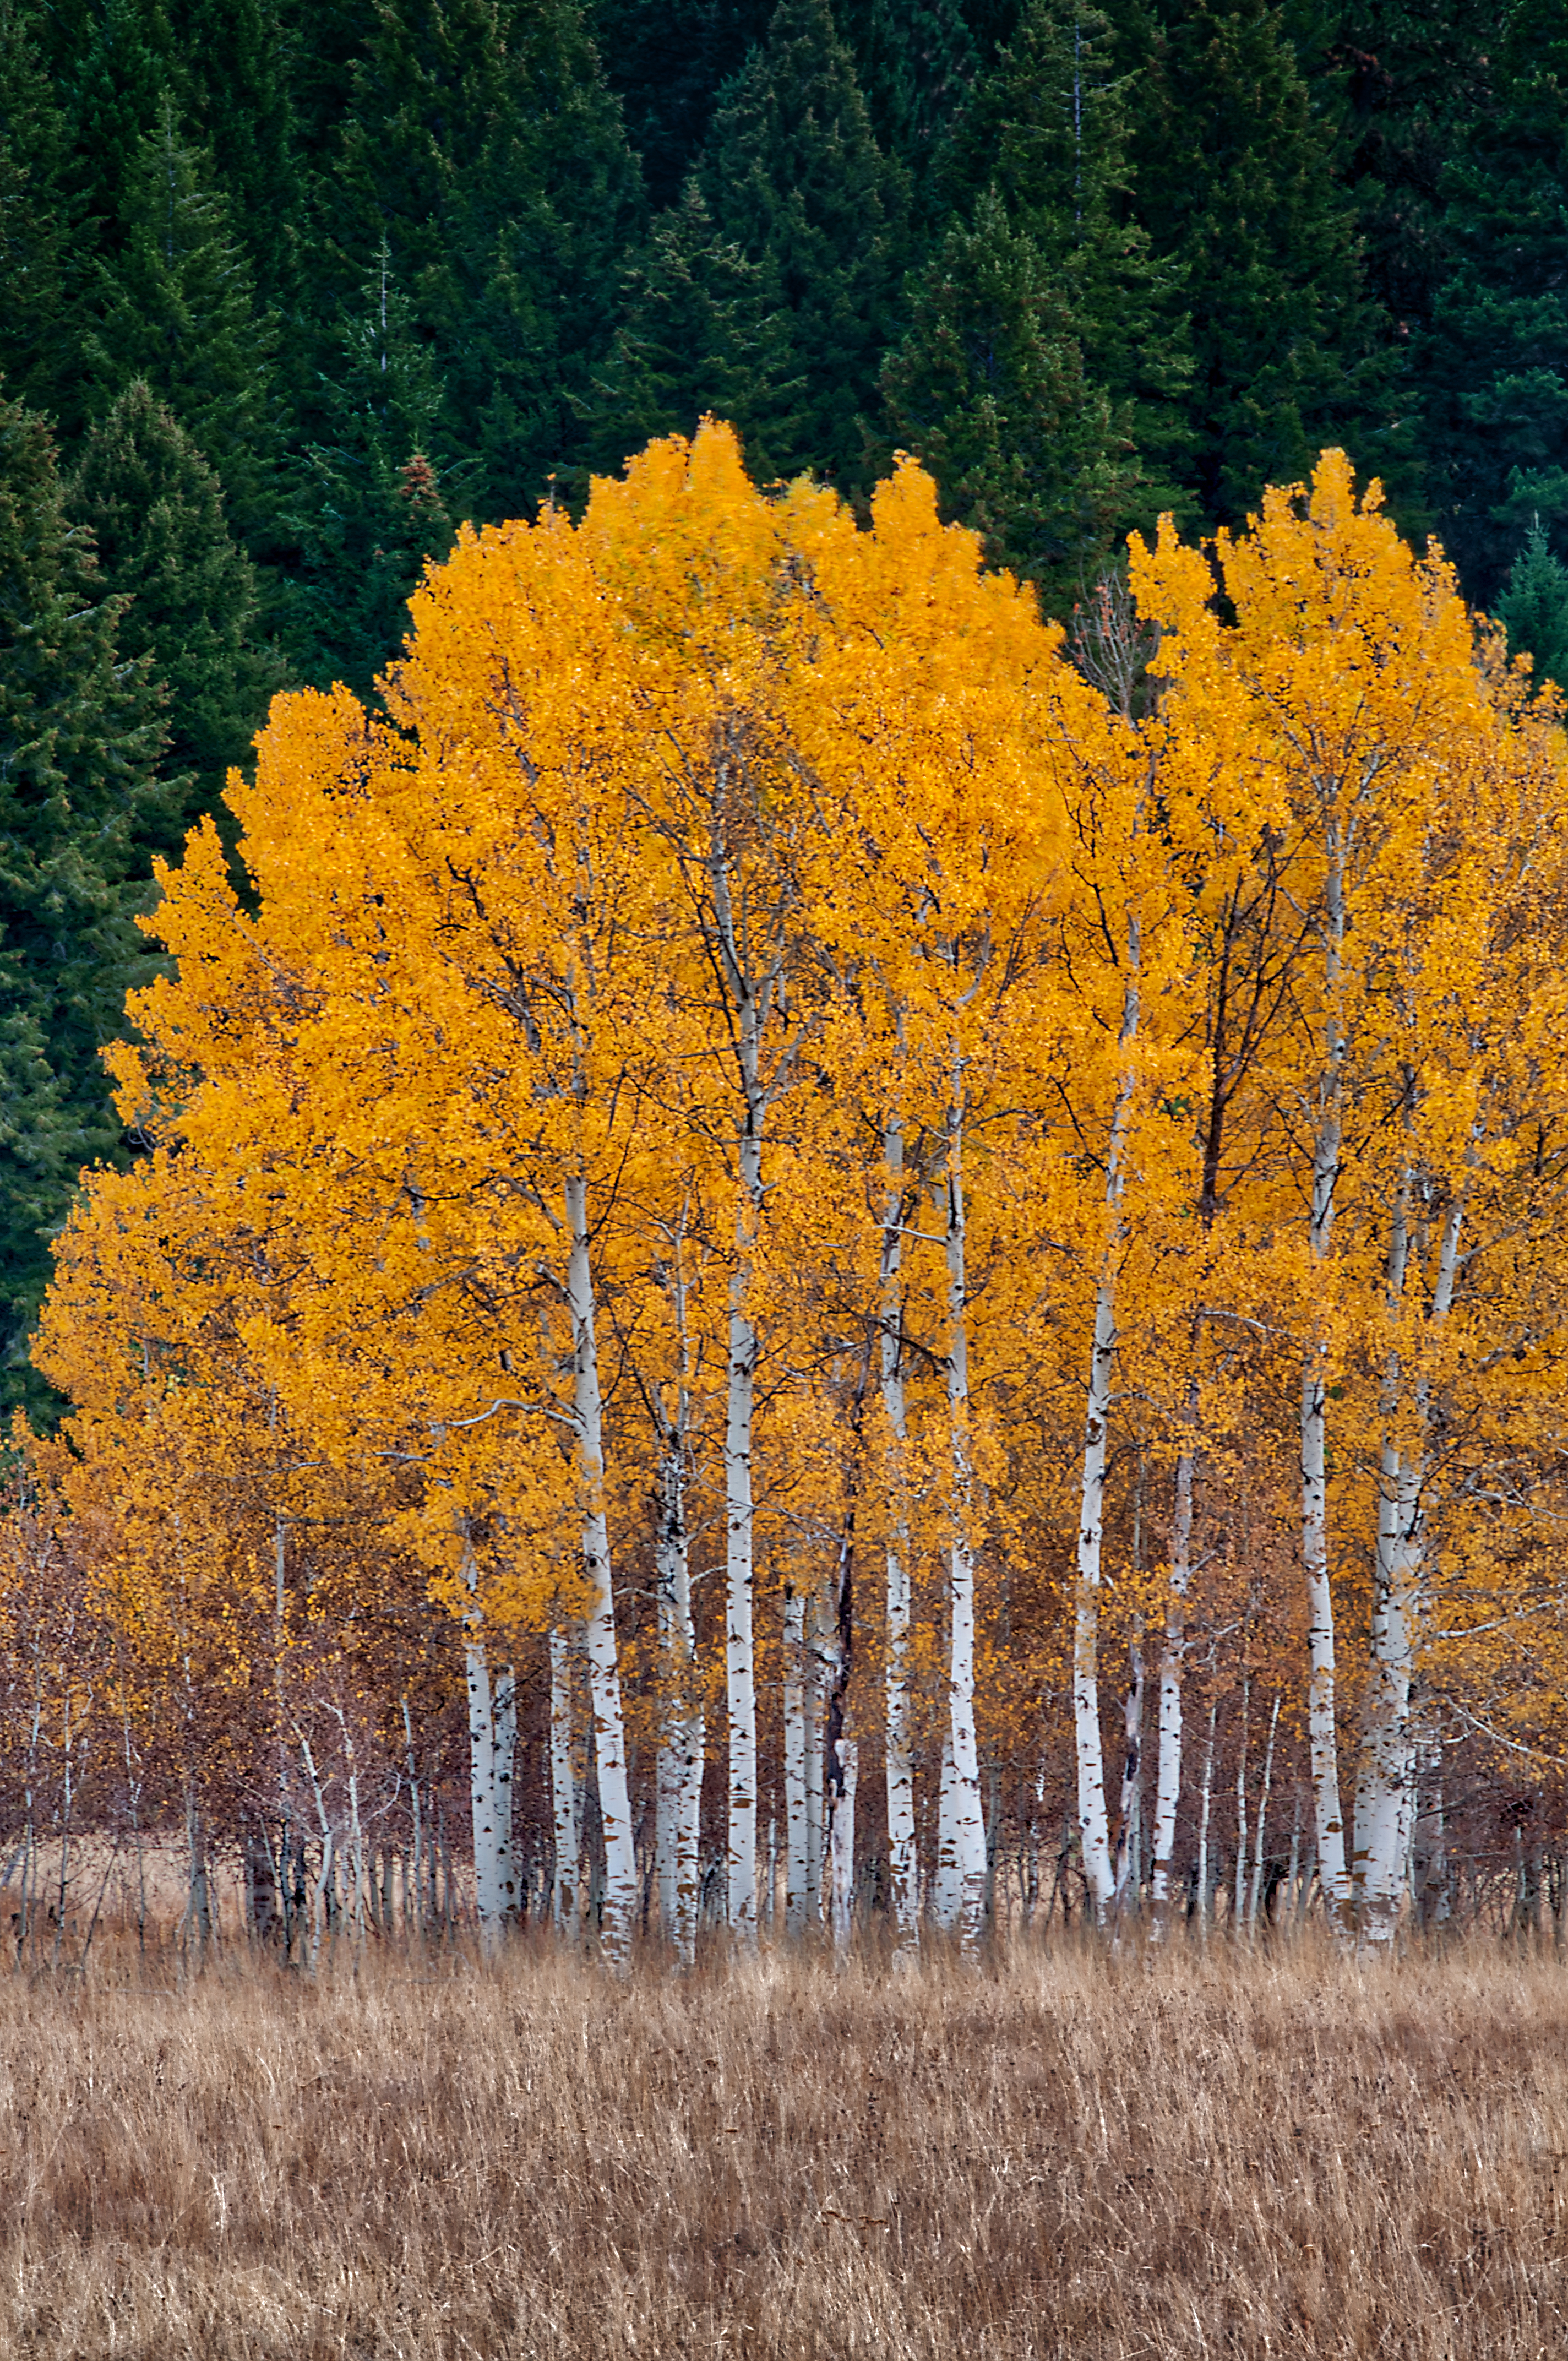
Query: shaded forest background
(290, 291)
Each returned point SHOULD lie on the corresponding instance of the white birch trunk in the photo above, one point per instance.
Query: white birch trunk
(1386, 1790)
(843, 1847)
(565, 1905)
(1093, 1820)
(604, 1670)
(1322, 1739)
(1255, 1892)
(1129, 1831)
(1205, 1806)
(966, 1828)
(1168, 1777)
(902, 1865)
(947, 1886)
(816, 1818)
(678, 1795)
(796, 1846)
(492, 1741)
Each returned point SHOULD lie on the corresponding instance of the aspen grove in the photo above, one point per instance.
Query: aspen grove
(918, 1257)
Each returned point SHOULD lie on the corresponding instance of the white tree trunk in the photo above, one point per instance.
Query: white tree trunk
(1322, 1737)
(739, 1660)
(903, 1866)
(565, 1791)
(843, 1847)
(815, 1816)
(492, 1741)
(1093, 1820)
(1256, 1889)
(683, 1738)
(796, 1846)
(1386, 1796)
(946, 1885)
(965, 1829)
(1167, 1784)
(604, 1670)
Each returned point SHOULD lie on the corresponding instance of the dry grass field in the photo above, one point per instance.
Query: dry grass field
(1073, 2155)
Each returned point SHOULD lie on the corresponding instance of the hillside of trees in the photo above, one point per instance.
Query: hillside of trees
(291, 292)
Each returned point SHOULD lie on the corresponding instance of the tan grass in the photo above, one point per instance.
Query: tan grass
(1068, 2155)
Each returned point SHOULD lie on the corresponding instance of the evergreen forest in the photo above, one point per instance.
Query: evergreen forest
(291, 292)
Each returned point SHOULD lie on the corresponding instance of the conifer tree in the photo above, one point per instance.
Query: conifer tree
(177, 307)
(367, 509)
(1237, 180)
(484, 146)
(1497, 361)
(702, 329)
(988, 389)
(234, 56)
(915, 59)
(666, 61)
(1051, 129)
(188, 594)
(1534, 607)
(39, 230)
(793, 174)
(112, 62)
(79, 743)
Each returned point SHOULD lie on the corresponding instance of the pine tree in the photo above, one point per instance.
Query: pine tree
(188, 595)
(1050, 127)
(1497, 360)
(988, 390)
(177, 306)
(38, 232)
(112, 62)
(793, 174)
(366, 510)
(701, 330)
(79, 745)
(666, 61)
(915, 59)
(484, 146)
(236, 61)
(1534, 607)
(1237, 179)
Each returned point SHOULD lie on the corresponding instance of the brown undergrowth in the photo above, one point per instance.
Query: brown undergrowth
(1068, 2154)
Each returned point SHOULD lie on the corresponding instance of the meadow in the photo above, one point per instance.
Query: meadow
(1065, 2151)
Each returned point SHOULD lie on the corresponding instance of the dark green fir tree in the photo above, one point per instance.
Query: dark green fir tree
(237, 66)
(793, 175)
(1238, 179)
(1049, 128)
(666, 61)
(368, 510)
(187, 596)
(988, 390)
(1495, 363)
(915, 60)
(41, 236)
(702, 329)
(80, 741)
(177, 307)
(1534, 607)
(112, 62)
(483, 145)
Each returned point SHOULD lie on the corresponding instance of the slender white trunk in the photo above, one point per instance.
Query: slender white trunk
(815, 1822)
(965, 1829)
(565, 1788)
(843, 1846)
(492, 1737)
(902, 1865)
(1322, 1739)
(678, 1802)
(1238, 1897)
(1168, 1781)
(947, 1886)
(1387, 1790)
(1129, 1832)
(1093, 1822)
(796, 1846)
(739, 1663)
(604, 1670)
